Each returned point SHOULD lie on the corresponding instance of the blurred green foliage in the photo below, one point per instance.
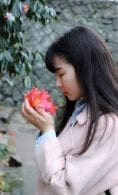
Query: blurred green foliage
(8, 182)
(3, 151)
(15, 59)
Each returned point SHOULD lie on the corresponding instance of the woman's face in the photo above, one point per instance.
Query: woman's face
(66, 79)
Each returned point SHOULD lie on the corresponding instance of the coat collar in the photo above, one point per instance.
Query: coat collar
(83, 116)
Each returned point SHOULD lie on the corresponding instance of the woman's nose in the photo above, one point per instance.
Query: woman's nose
(58, 82)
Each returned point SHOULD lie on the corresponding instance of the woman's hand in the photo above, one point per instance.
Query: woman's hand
(39, 118)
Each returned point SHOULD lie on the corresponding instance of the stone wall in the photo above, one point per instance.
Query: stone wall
(101, 15)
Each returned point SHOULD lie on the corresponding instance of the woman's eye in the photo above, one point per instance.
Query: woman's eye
(61, 74)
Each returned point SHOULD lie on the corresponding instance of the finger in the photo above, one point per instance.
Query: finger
(41, 111)
(32, 112)
(23, 113)
(23, 110)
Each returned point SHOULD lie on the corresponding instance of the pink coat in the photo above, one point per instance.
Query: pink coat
(63, 172)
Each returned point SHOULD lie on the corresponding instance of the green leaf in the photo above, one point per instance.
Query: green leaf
(27, 68)
(3, 42)
(18, 68)
(38, 57)
(47, 9)
(27, 82)
(43, 21)
(1, 56)
(16, 8)
(52, 12)
(6, 2)
(8, 56)
(36, 6)
(23, 69)
(6, 80)
(24, 55)
(17, 27)
(31, 57)
(3, 65)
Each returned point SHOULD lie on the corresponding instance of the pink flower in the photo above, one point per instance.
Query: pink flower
(25, 7)
(41, 99)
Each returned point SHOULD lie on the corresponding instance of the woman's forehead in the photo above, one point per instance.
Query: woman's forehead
(59, 62)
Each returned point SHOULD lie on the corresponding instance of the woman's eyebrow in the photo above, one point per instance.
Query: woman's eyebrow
(58, 68)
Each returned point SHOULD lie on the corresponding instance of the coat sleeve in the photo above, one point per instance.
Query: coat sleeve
(76, 174)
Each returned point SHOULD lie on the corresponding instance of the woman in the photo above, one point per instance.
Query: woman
(80, 157)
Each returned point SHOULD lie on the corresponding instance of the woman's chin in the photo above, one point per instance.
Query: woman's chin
(70, 98)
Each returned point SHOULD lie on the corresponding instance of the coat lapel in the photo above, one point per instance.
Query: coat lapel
(67, 136)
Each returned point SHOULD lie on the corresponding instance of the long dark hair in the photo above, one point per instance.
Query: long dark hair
(94, 68)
